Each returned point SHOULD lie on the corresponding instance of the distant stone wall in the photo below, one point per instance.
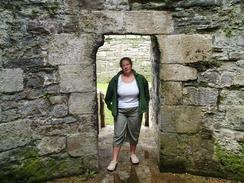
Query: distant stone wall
(117, 46)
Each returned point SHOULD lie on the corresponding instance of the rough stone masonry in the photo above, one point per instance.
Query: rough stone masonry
(48, 114)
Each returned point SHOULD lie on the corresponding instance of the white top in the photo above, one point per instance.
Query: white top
(127, 94)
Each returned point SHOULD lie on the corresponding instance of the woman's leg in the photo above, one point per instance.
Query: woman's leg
(132, 148)
(116, 151)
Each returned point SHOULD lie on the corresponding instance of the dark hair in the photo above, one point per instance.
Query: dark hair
(125, 58)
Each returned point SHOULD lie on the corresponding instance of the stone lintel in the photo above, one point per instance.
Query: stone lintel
(126, 22)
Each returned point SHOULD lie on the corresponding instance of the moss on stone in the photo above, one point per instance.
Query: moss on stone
(231, 162)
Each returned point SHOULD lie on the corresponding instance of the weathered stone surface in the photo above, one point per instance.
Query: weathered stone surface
(82, 144)
(15, 134)
(226, 75)
(10, 115)
(80, 103)
(60, 110)
(59, 99)
(72, 49)
(200, 96)
(181, 119)
(233, 117)
(172, 93)
(38, 107)
(232, 97)
(77, 78)
(183, 48)
(148, 22)
(0, 113)
(11, 80)
(55, 126)
(49, 145)
(215, 79)
(101, 22)
(139, 22)
(180, 152)
(176, 72)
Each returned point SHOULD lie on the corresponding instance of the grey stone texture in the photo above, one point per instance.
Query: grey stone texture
(51, 145)
(172, 93)
(77, 78)
(15, 134)
(48, 50)
(78, 149)
(11, 80)
(126, 22)
(181, 119)
(71, 49)
(200, 96)
(185, 48)
(177, 72)
(88, 101)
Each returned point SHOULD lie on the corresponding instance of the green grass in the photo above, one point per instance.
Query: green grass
(108, 116)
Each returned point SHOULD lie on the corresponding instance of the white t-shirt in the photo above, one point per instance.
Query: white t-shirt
(127, 94)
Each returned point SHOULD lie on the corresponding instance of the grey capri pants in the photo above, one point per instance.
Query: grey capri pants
(127, 126)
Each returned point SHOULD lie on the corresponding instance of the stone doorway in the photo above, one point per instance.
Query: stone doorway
(146, 64)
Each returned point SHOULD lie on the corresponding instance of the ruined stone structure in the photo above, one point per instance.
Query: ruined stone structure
(48, 83)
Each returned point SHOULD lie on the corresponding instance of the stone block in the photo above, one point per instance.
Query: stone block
(191, 150)
(101, 22)
(181, 119)
(200, 96)
(232, 97)
(234, 118)
(172, 93)
(15, 134)
(138, 22)
(177, 72)
(50, 145)
(11, 80)
(82, 144)
(80, 103)
(60, 110)
(185, 48)
(148, 22)
(77, 78)
(71, 49)
(58, 99)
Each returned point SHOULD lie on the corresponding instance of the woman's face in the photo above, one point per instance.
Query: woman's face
(126, 66)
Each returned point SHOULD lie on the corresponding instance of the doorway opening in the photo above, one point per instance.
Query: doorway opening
(144, 52)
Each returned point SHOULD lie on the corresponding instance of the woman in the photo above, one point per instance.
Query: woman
(127, 97)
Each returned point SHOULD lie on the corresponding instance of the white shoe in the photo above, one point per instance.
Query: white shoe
(112, 166)
(134, 160)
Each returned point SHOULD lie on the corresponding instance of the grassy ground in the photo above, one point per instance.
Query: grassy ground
(108, 116)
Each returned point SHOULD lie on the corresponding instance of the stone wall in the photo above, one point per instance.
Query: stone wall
(117, 46)
(48, 83)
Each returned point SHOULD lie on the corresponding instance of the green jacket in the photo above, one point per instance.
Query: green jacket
(111, 98)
